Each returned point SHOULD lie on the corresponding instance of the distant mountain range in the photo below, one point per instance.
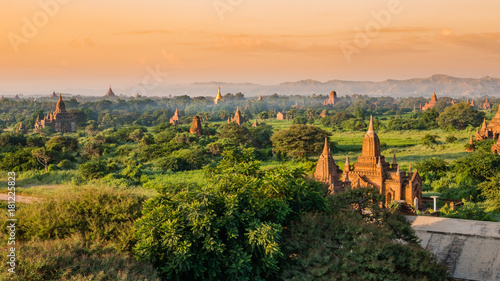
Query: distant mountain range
(443, 85)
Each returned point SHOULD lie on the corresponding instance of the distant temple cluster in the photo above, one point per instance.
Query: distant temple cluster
(371, 170)
(59, 120)
(486, 105)
(491, 130)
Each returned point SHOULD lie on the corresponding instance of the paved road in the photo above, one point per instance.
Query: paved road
(19, 198)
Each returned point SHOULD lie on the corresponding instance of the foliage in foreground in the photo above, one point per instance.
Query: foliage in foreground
(229, 229)
(253, 224)
(98, 215)
(70, 259)
(346, 243)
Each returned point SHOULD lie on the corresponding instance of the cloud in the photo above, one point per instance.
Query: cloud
(144, 32)
(404, 30)
(479, 41)
(83, 42)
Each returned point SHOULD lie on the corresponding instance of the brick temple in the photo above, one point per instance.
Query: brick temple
(491, 130)
(431, 103)
(59, 120)
(371, 170)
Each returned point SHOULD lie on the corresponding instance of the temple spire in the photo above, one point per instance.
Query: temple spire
(483, 128)
(60, 106)
(410, 171)
(325, 149)
(347, 165)
(371, 144)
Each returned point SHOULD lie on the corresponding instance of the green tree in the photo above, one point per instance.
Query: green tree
(429, 140)
(299, 140)
(136, 135)
(460, 116)
(299, 120)
(491, 191)
(42, 156)
(228, 229)
(62, 144)
(348, 243)
(93, 169)
(428, 119)
(240, 135)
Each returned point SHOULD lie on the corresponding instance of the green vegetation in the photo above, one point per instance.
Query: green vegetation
(231, 229)
(237, 202)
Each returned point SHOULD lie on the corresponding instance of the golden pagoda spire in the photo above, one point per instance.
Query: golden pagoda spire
(218, 97)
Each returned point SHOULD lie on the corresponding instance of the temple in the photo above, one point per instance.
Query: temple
(496, 147)
(470, 147)
(218, 98)
(260, 97)
(175, 119)
(196, 126)
(431, 103)
(22, 129)
(281, 116)
(490, 131)
(110, 93)
(331, 100)
(486, 105)
(59, 120)
(255, 124)
(328, 172)
(238, 119)
(371, 170)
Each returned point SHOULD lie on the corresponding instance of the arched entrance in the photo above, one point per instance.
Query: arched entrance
(388, 198)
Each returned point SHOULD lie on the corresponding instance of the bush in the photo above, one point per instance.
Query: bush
(99, 215)
(469, 211)
(429, 140)
(347, 243)
(451, 139)
(228, 229)
(70, 259)
(299, 120)
(93, 169)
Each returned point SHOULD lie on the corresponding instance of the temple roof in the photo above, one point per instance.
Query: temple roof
(218, 97)
(110, 93)
(371, 142)
(60, 106)
(434, 98)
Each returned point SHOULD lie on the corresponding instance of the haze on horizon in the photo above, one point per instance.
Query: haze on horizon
(92, 44)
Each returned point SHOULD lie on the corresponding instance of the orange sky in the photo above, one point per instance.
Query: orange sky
(91, 44)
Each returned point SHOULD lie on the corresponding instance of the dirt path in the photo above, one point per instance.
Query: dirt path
(19, 198)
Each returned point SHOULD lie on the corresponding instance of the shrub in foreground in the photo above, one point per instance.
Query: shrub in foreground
(70, 259)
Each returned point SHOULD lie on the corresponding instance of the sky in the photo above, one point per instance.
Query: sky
(64, 44)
